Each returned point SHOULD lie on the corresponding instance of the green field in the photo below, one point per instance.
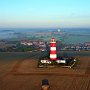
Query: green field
(74, 53)
(10, 56)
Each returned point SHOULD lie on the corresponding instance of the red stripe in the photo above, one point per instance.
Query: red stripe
(53, 59)
(53, 52)
(52, 44)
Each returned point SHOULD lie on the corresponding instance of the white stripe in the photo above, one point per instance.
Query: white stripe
(52, 48)
(53, 56)
(52, 42)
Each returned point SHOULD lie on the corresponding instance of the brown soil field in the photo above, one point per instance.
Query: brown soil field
(24, 75)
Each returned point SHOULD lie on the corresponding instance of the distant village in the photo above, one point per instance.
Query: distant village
(29, 46)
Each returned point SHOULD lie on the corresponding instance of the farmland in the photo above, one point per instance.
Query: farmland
(18, 71)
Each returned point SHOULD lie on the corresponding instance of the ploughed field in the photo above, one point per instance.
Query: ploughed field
(23, 74)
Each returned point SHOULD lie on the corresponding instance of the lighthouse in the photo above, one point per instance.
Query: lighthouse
(53, 55)
(54, 60)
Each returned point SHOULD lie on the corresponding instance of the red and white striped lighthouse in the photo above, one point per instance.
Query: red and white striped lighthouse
(53, 55)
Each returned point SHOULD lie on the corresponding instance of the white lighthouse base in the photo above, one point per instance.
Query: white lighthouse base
(67, 62)
(61, 61)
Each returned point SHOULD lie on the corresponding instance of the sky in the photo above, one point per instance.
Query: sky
(44, 13)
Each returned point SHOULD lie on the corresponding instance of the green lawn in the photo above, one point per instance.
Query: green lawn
(9, 56)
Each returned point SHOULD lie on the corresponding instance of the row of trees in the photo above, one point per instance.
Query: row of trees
(18, 48)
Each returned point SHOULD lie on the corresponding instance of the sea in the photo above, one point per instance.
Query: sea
(65, 35)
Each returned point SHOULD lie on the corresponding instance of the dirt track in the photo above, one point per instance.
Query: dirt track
(24, 75)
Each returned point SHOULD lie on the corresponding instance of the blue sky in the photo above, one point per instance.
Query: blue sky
(44, 13)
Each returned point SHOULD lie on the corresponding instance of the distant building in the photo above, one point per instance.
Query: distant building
(87, 43)
(26, 43)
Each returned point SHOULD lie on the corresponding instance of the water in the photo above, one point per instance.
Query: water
(69, 36)
(76, 36)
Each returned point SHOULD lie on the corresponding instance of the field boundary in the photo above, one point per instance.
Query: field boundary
(53, 73)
